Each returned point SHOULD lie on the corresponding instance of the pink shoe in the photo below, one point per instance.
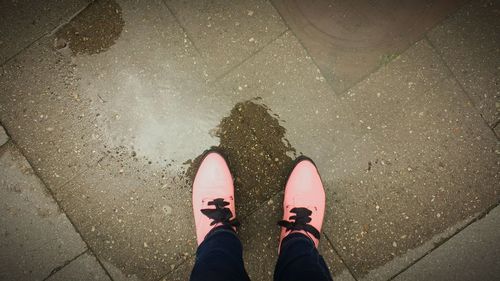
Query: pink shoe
(213, 195)
(304, 203)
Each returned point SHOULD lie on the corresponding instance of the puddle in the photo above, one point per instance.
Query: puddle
(258, 153)
(94, 30)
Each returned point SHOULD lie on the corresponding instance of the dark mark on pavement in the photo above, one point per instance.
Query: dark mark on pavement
(94, 30)
(255, 146)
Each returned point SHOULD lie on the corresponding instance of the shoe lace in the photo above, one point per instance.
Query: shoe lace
(220, 214)
(300, 221)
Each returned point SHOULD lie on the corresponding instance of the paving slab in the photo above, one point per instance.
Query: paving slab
(227, 32)
(469, 43)
(254, 134)
(66, 107)
(316, 121)
(150, 98)
(45, 115)
(400, 263)
(136, 218)
(147, 114)
(360, 143)
(3, 136)
(23, 22)
(85, 267)
(115, 127)
(433, 164)
(182, 272)
(36, 236)
(155, 104)
(472, 254)
(350, 39)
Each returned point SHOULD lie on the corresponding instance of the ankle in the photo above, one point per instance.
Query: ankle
(219, 228)
(299, 233)
(296, 236)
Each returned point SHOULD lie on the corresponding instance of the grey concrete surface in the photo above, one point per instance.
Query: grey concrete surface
(22, 22)
(472, 254)
(227, 32)
(405, 155)
(469, 43)
(402, 262)
(137, 219)
(36, 236)
(85, 267)
(42, 110)
(410, 101)
(143, 96)
(3, 136)
(285, 78)
(431, 145)
(316, 122)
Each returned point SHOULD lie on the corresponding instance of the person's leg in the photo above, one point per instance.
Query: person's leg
(299, 260)
(219, 254)
(303, 211)
(219, 257)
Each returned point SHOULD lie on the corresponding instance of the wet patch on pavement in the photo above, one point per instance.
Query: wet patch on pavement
(92, 31)
(259, 155)
(128, 159)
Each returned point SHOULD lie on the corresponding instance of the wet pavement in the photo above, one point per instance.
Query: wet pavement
(111, 104)
(93, 30)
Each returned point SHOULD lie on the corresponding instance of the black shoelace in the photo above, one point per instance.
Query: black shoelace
(300, 221)
(220, 214)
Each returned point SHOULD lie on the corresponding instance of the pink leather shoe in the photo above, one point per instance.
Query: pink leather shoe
(213, 195)
(304, 202)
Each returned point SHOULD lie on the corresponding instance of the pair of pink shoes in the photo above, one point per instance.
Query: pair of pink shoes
(213, 199)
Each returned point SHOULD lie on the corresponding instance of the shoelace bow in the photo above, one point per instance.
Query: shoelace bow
(220, 214)
(300, 221)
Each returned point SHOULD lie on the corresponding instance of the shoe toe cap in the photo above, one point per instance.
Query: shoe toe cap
(214, 170)
(305, 177)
